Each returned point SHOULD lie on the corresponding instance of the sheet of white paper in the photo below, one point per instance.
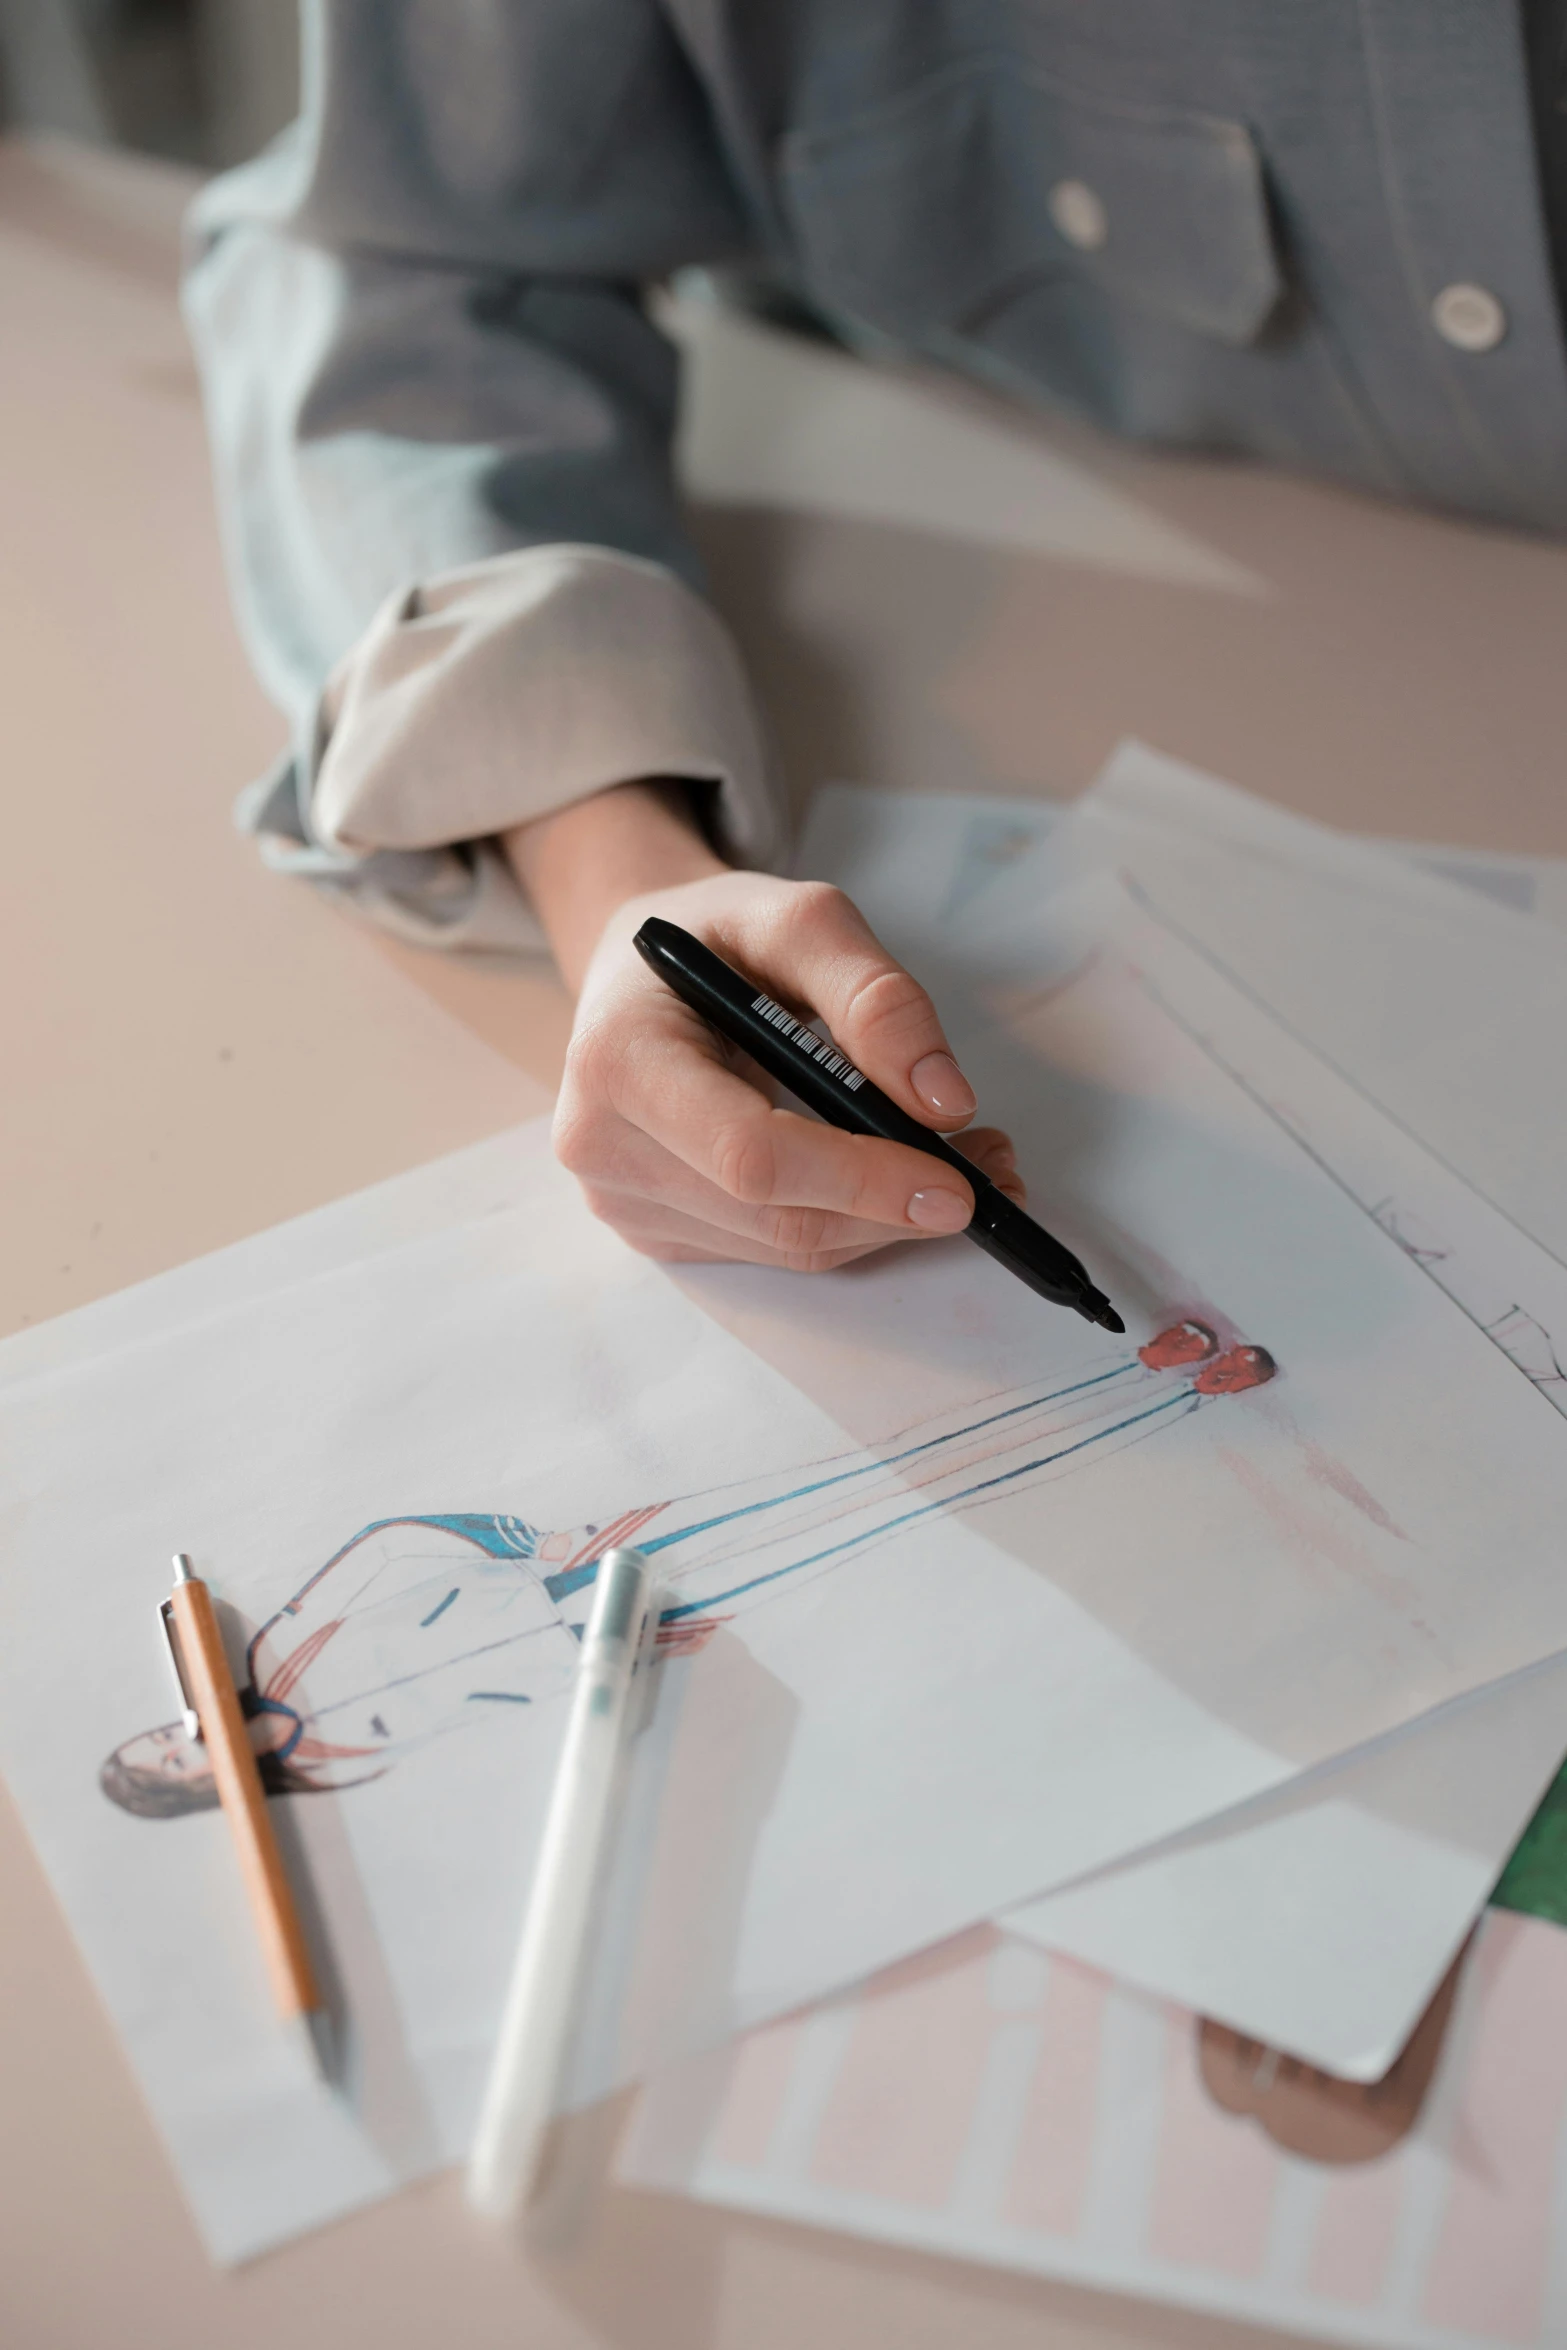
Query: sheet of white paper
(942, 850)
(423, 1200)
(1190, 806)
(912, 860)
(851, 1766)
(1445, 1008)
(1320, 1919)
(1320, 1924)
(522, 1359)
(1447, 1011)
(995, 2104)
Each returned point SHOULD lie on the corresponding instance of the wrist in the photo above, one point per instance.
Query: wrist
(582, 863)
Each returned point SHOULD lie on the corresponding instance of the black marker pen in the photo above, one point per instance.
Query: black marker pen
(814, 1070)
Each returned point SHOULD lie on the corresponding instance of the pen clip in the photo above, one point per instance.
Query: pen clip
(188, 1715)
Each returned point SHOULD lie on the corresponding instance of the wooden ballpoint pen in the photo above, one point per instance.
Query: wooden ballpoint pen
(212, 1714)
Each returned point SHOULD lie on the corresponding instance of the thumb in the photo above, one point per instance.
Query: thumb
(822, 951)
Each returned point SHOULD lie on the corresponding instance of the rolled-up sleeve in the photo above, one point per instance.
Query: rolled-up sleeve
(442, 421)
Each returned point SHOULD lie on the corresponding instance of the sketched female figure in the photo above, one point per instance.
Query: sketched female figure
(419, 1625)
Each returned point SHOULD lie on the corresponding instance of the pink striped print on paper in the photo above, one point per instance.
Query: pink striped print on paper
(1055, 2145)
(1353, 2242)
(1488, 2273)
(1215, 2175)
(900, 2111)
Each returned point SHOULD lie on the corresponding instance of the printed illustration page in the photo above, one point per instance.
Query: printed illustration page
(996, 2104)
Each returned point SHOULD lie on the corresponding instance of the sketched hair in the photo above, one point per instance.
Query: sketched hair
(151, 1795)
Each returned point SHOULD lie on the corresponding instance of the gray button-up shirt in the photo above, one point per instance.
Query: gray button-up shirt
(1311, 234)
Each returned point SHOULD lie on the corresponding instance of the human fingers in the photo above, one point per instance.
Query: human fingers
(671, 1237)
(633, 1177)
(649, 1223)
(813, 944)
(665, 1075)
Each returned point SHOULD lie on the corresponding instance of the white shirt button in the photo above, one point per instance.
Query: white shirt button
(1079, 215)
(1469, 317)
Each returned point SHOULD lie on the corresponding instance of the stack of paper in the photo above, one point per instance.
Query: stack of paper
(1184, 1654)
(1320, 1919)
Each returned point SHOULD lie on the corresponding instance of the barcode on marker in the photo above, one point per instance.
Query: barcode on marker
(807, 1041)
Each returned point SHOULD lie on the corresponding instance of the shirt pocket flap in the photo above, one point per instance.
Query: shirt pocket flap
(932, 210)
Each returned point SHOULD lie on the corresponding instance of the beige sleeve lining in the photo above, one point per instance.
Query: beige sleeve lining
(500, 692)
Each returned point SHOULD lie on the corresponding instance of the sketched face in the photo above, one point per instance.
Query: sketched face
(1183, 1342)
(1241, 1367)
(159, 1773)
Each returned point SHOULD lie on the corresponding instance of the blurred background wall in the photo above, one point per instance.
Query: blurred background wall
(204, 82)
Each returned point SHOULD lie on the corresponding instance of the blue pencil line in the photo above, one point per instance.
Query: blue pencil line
(883, 1461)
(442, 1664)
(927, 1509)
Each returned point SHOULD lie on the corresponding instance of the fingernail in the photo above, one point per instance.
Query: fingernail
(939, 1211)
(941, 1085)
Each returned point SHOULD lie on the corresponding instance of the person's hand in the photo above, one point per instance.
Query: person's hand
(675, 1137)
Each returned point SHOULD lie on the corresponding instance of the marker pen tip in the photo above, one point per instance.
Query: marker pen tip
(1097, 1308)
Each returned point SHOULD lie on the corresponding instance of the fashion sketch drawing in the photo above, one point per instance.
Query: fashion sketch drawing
(423, 1626)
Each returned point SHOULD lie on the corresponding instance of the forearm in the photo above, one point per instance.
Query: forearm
(580, 864)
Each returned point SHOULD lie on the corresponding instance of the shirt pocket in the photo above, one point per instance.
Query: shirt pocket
(931, 214)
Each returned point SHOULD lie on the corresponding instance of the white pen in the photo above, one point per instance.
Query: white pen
(530, 2056)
